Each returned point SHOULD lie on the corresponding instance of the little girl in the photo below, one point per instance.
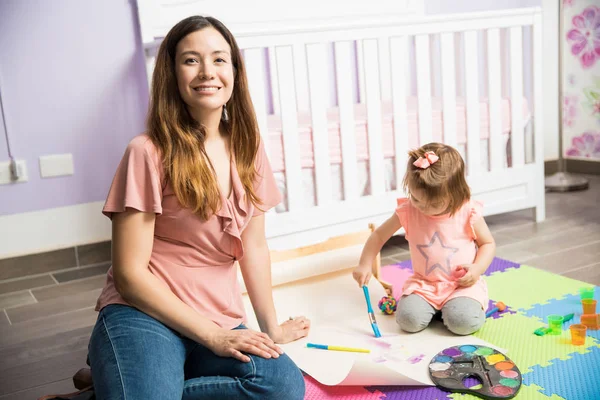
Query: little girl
(450, 244)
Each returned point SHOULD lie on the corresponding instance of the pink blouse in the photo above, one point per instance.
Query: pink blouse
(195, 259)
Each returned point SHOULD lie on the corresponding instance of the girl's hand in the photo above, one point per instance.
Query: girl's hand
(471, 275)
(362, 275)
(231, 343)
(290, 330)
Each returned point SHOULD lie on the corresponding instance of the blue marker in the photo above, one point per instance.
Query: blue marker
(371, 313)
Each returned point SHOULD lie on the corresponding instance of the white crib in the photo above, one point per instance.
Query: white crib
(340, 101)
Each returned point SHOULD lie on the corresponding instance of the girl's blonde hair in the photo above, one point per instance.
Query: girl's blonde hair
(180, 138)
(442, 181)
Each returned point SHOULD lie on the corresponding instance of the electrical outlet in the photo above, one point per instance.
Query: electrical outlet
(5, 175)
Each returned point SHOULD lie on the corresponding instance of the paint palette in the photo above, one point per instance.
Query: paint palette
(499, 376)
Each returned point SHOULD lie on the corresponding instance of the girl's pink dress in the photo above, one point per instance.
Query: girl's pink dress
(438, 245)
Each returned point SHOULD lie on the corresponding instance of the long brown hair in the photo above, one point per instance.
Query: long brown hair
(443, 180)
(180, 138)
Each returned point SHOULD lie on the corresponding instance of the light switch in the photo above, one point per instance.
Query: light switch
(56, 165)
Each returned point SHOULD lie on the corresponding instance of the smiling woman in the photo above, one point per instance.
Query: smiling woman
(186, 202)
(205, 74)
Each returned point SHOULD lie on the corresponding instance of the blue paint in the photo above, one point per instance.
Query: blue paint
(467, 349)
(443, 359)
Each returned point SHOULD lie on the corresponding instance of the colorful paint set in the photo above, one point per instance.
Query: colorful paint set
(499, 376)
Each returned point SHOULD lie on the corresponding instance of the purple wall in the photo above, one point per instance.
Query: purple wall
(73, 81)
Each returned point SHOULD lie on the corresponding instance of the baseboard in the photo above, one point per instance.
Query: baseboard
(574, 166)
(53, 229)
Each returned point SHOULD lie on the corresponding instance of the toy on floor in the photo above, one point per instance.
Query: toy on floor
(498, 307)
(543, 331)
(586, 293)
(371, 313)
(387, 304)
(499, 376)
(592, 321)
(588, 306)
(578, 333)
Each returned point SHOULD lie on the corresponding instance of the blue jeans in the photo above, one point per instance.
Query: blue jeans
(134, 356)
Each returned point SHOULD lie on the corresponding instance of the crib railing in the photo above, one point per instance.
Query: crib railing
(288, 72)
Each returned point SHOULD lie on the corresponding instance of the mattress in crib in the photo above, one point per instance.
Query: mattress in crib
(276, 154)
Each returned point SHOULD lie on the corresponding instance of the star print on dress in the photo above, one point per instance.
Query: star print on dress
(437, 255)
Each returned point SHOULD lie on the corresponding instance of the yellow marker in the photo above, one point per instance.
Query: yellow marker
(336, 348)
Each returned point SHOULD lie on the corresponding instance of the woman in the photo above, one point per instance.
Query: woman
(187, 201)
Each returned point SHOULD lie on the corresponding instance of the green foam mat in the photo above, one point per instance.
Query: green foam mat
(525, 286)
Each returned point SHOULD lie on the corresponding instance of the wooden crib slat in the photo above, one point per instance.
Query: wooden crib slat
(275, 101)
(315, 54)
(399, 57)
(423, 88)
(538, 119)
(516, 96)
(301, 76)
(496, 145)
(254, 60)
(448, 88)
(373, 97)
(360, 70)
(472, 103)
(289, 124)
(384, 68)
(343, 73)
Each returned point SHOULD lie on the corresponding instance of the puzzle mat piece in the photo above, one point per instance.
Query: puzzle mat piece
(570, 304)
(317, 391)
(405, 264)
(514, 332)
(396, 276)
(577, 378)
(498, 314)
(523, 287)
(527, 392)
(497, 265)
(409, 393)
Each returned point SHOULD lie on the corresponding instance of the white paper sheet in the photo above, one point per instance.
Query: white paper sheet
(338, 312)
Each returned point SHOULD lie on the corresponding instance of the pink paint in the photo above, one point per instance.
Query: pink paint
(502, 390)
(416, 359)
(509, 374)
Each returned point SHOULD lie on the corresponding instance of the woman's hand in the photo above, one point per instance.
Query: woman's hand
(362, 275)
(233, 343)
(290, 330)
(470, 276)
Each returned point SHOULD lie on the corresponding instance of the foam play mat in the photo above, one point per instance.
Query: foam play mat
(551, 366)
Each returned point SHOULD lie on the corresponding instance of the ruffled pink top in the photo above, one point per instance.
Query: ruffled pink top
(439, 244)
(195, 259)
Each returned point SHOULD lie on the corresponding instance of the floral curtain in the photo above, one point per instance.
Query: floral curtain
(581, 79)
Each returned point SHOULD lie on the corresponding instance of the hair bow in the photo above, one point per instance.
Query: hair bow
(428, 159)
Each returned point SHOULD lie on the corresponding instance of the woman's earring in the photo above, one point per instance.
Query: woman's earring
(225, 114)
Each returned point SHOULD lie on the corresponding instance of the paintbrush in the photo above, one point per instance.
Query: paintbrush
(371, 313)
